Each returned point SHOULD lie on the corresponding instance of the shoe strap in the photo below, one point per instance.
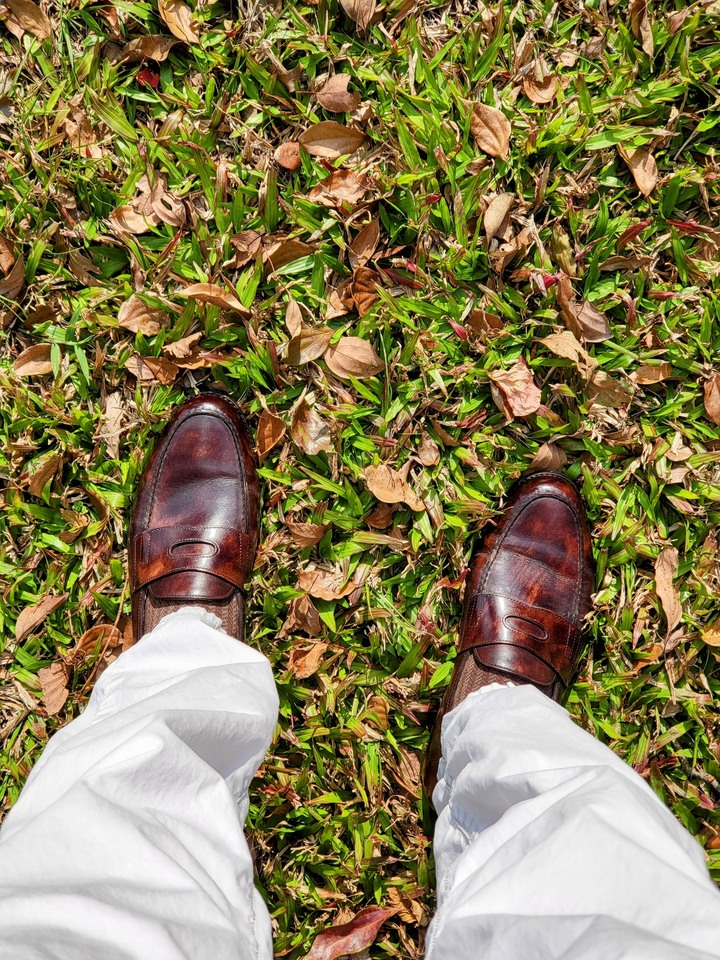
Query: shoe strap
(512, 636)
(219, 551)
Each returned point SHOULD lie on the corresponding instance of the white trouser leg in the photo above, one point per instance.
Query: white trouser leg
(127, 841)
(548, 846)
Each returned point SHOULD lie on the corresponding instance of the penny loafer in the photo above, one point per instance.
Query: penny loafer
(194, 526)
(526, 596)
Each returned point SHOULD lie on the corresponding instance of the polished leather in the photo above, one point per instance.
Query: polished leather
(194, 528)
(526, 596)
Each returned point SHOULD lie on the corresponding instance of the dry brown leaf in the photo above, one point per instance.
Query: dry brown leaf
(152, 368)
(342, 189)
(514, 391)
(381, 517)
(247, 244)
(353, 357)
(178, 17)
(347, 938)
(361, 12)
(214, 294)
(101, 638)
(330, 140)
(643, 168)
(711, 396)
(82, 268)
(541, 90)
(491, 130)
(293, 318)
(7, 255)
(135, 315)
(166, 206)
(335, 96)
(270, 432)
(640, 25)
(711, 635)
(581, 317)
(81, 134)
(303, 662)
(605, 391)
(363, 289)
(302, 615)
(11, 286)
(53, 683)
(309, 344)
(44, 473)
(155, 47)
(34, 361)
(185, 349)
(566, 345)
(307, 534)
(126, 219)
(326, 584)
(288, 155)
(309, 431)
(655, 373)
(391, 486)
(481, 323)
(497, 214)
(111, 424)
(666, 567)
(282, 252)
(549, 457)
(31, 617)
(30, 17)
(428, 451)
(365, 244)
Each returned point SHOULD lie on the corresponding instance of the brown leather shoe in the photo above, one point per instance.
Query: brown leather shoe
(526, 596)
(194, 527)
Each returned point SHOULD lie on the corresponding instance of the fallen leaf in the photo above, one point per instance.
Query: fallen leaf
(428, 451)
(53, 683)
(390, 486)
(30, 17)
(166, 206)
(655, 373)
(640, 25)
(82, 268)
(666, 567)
(302, 616)
(135, 315)
(381, 517)
(11, 286)
(309, 344)
(282, 252)
(34, 361)
(643, 168)
(153, 47)
(152, 368)
(605, 391)
(270, 432)
(711, 635)
(100, 638)
(514, 391)
(247, 244)
(365, 244)
(491, 130)
(335, 96)
(307, 534)
(330, 140)
(111, 425)
(541, 89)
(81, 134)
(326, 584)
(214, 294)
(44, 473)
(363, 289)
(341, 189)
(304, 662)
(309, 431)
(288, 155)
(184, 349)
(562, 252)
(293, 318)
(497, 214)
(352, 937)
(711, 393)
(481, 323)
(549, 457)
(31, 617)
(581, 317)
(353, 357)
(361, 12)
(566, 345)
(7, 255)
(126, 219)
(178, 17)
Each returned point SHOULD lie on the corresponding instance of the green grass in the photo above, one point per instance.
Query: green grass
(337, 821)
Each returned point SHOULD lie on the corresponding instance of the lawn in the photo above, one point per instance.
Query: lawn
(425, 246)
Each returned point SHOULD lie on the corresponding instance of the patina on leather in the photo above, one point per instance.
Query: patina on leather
(194, 529)
(526, 596)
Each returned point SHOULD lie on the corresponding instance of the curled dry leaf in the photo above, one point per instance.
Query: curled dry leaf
(352, 937)
(138, 317)
(353, 357)
(581, 317)
(214, 294)
(391, 486)
(53, 683)
(711, 396)
(711, 635)
(34, 361)
(643, 168)
(247, 243)
(154, 47)
(566, 345)
(288, 155)
(539, 85)
(497, 214)
(363, 289)
(309, 431)
(12, 285)
(666, 567)
(491, 130)
(335, 96)
(361, 12)
(101, 638)
(365, 244)
(185, 349)
(178, 17)
(309, 344)
(652, 373)
(111, 424)
(284, 251)
(303, 662)
(82, 268)
(7, 255)
(330, 140)
(126, 219)
(549, 457)
(152, 368)
(326, 584)
(640, 25)
(31, 617)
(605, 391)
(30, 17)
(44, 473)
(307, 534)
(341, 189)
(270, 432)
(514, 391)
(428, 451)
(302, 616)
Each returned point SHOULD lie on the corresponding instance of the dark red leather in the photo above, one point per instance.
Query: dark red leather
(527, 594)
(194, 528)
